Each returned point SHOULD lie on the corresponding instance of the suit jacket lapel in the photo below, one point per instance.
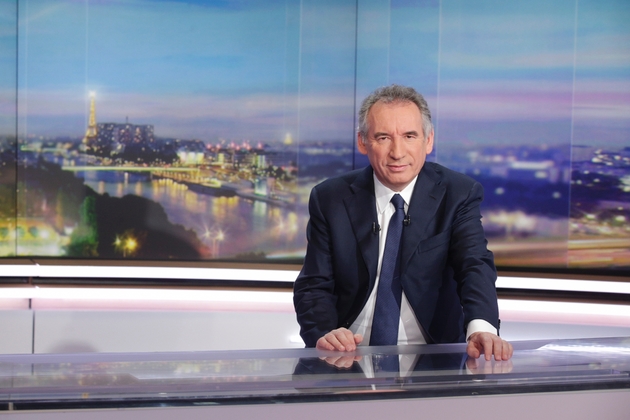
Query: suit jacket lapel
(361, 208)
(427, 196)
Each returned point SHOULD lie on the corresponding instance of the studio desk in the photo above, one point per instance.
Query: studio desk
(574, 379)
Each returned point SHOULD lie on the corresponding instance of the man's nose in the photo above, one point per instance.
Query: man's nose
(397, 148)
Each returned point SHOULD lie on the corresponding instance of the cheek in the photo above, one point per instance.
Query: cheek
(377, 155)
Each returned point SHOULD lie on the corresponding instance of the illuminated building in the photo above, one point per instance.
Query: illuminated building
(114, 138)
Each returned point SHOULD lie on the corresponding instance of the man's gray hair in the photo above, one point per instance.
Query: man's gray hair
(392, 94)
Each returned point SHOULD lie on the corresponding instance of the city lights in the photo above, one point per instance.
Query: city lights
(126, 244)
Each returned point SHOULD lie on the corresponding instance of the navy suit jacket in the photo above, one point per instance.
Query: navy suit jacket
(447, 272)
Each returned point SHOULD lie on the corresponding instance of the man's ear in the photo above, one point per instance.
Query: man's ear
(429, 144)
(360, 144)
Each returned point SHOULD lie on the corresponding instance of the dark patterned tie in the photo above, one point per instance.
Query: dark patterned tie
(389, 293)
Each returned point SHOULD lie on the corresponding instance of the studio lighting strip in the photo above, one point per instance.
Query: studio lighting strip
(148, 272)
(272, 275)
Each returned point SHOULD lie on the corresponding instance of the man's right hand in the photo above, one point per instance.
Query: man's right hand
(340, 339)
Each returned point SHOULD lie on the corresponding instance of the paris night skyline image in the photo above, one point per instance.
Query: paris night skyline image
(194, 130)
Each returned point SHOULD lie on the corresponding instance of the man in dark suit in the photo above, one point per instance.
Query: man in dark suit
(444, 268)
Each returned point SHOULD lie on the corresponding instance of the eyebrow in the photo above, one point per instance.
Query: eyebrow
(408, 133)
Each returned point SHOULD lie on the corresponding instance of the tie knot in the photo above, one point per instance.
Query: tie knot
(398, 202)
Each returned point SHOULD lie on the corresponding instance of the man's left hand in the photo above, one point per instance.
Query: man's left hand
(488, 344)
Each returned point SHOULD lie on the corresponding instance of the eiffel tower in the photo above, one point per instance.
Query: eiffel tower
(91, 133)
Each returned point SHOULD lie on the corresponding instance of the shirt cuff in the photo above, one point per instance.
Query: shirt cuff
(479, 325)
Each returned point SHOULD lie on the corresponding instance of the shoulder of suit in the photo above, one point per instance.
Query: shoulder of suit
(443, 175)
(456, 182)
(341, 181)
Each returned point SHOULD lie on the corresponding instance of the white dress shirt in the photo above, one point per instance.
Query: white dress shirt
(409, 329)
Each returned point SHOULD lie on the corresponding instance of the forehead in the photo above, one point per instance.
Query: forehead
(394, 114)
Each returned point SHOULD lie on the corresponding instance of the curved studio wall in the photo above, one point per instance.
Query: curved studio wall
(194, 130)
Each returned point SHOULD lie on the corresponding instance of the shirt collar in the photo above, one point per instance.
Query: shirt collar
(384, 194)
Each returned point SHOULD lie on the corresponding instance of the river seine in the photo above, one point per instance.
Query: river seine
(231, 227)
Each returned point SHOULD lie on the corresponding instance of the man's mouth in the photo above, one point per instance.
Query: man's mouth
(397, 168)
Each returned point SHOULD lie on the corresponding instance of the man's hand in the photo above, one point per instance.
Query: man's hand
(340, 339)
(341, 362)
(481, 366)
(488, 344)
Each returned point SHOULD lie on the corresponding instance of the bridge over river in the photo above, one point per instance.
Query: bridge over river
(127, 169)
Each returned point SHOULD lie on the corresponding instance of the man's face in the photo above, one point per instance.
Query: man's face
(395, 144)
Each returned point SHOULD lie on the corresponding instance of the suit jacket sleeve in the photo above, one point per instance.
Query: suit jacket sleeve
(314, 298)
(472, 262)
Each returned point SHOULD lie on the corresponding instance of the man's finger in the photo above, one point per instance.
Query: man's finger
(492, 348)
(471, 350)
(334, 341)
(323, 344)
(497, 345)
(346, 339)
(484, 344)
(508, 350)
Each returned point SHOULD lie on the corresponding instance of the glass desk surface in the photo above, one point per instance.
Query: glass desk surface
(99, 380)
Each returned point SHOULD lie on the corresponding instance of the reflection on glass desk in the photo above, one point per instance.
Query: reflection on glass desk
(97, 380)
